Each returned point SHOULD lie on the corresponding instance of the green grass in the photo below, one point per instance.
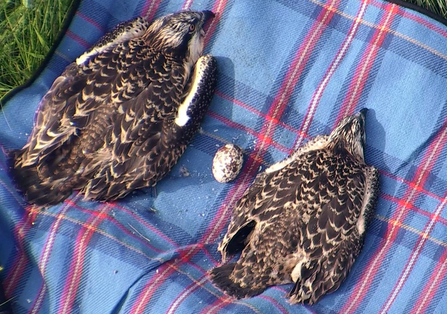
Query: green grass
(437, 6)
(28, 29)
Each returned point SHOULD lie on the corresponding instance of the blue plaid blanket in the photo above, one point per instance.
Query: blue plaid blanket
(288, 71)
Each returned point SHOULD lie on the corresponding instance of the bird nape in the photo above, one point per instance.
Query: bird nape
(121, 115)
(303, 220)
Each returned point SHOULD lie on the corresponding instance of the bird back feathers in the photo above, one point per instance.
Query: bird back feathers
(303, 220)
(106, 126)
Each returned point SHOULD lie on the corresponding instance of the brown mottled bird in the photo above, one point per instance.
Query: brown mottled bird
(303, 220)
(119, 118)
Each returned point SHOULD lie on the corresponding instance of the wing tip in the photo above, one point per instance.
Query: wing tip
(220, 277)
(28, 183)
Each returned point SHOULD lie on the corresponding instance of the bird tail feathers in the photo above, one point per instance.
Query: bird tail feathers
(220, 276)
(29, 182)
(313, 282)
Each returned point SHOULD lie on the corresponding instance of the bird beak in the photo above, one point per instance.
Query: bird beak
(207, 15)
(361, 116)
(363, 112)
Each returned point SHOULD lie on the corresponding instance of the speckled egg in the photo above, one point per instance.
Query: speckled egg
(227, 163)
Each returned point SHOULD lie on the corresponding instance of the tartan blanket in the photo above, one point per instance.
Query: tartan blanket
(288, 71)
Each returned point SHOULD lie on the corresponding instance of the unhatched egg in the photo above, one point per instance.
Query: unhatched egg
(227, 163)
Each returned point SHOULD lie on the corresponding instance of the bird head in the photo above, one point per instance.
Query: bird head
(350, 135)
(179, 34)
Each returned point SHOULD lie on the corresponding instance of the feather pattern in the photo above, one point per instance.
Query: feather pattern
(303, 220)
(106, 126)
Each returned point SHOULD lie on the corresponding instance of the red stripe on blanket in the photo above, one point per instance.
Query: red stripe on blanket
(362, 72)
(221, 302)
(75, 271)
(150, 8)
(186, 293)
(409, 15)
(259, 113)
(261, 137)
(428, 227)
(410, 264)
(187, 4)
(411, 184)
(196, 284)
(157, 280)
(92, 22)
(364, 283)
(217, 305)
(13, 278)
(44, 257)
(225, 300)
(432, 286)
(168, 268)
(275, 303)
(424, 22)
(299, 62)
(334, 65)
(405, 206)
(126, 230)
(78, 39)
(111, 218)
(210, 28)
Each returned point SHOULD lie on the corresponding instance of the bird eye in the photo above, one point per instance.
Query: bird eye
(192, 27)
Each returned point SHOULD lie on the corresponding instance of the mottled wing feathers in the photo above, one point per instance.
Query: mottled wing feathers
(263, 200)
(336, 199)
(324, 273)
(109, 124)
(330, 240)
(106, 90)
(298, 222)
(145, 106)
(144, 155)
(263, 262)
(243, 220)
(78, 91)
(265, 183)
(221, 277)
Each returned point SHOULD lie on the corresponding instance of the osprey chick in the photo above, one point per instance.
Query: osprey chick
(119, 118)
(303, 220)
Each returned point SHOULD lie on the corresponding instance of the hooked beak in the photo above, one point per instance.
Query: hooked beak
(361, 116)
(363, 112)
(207, 15)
